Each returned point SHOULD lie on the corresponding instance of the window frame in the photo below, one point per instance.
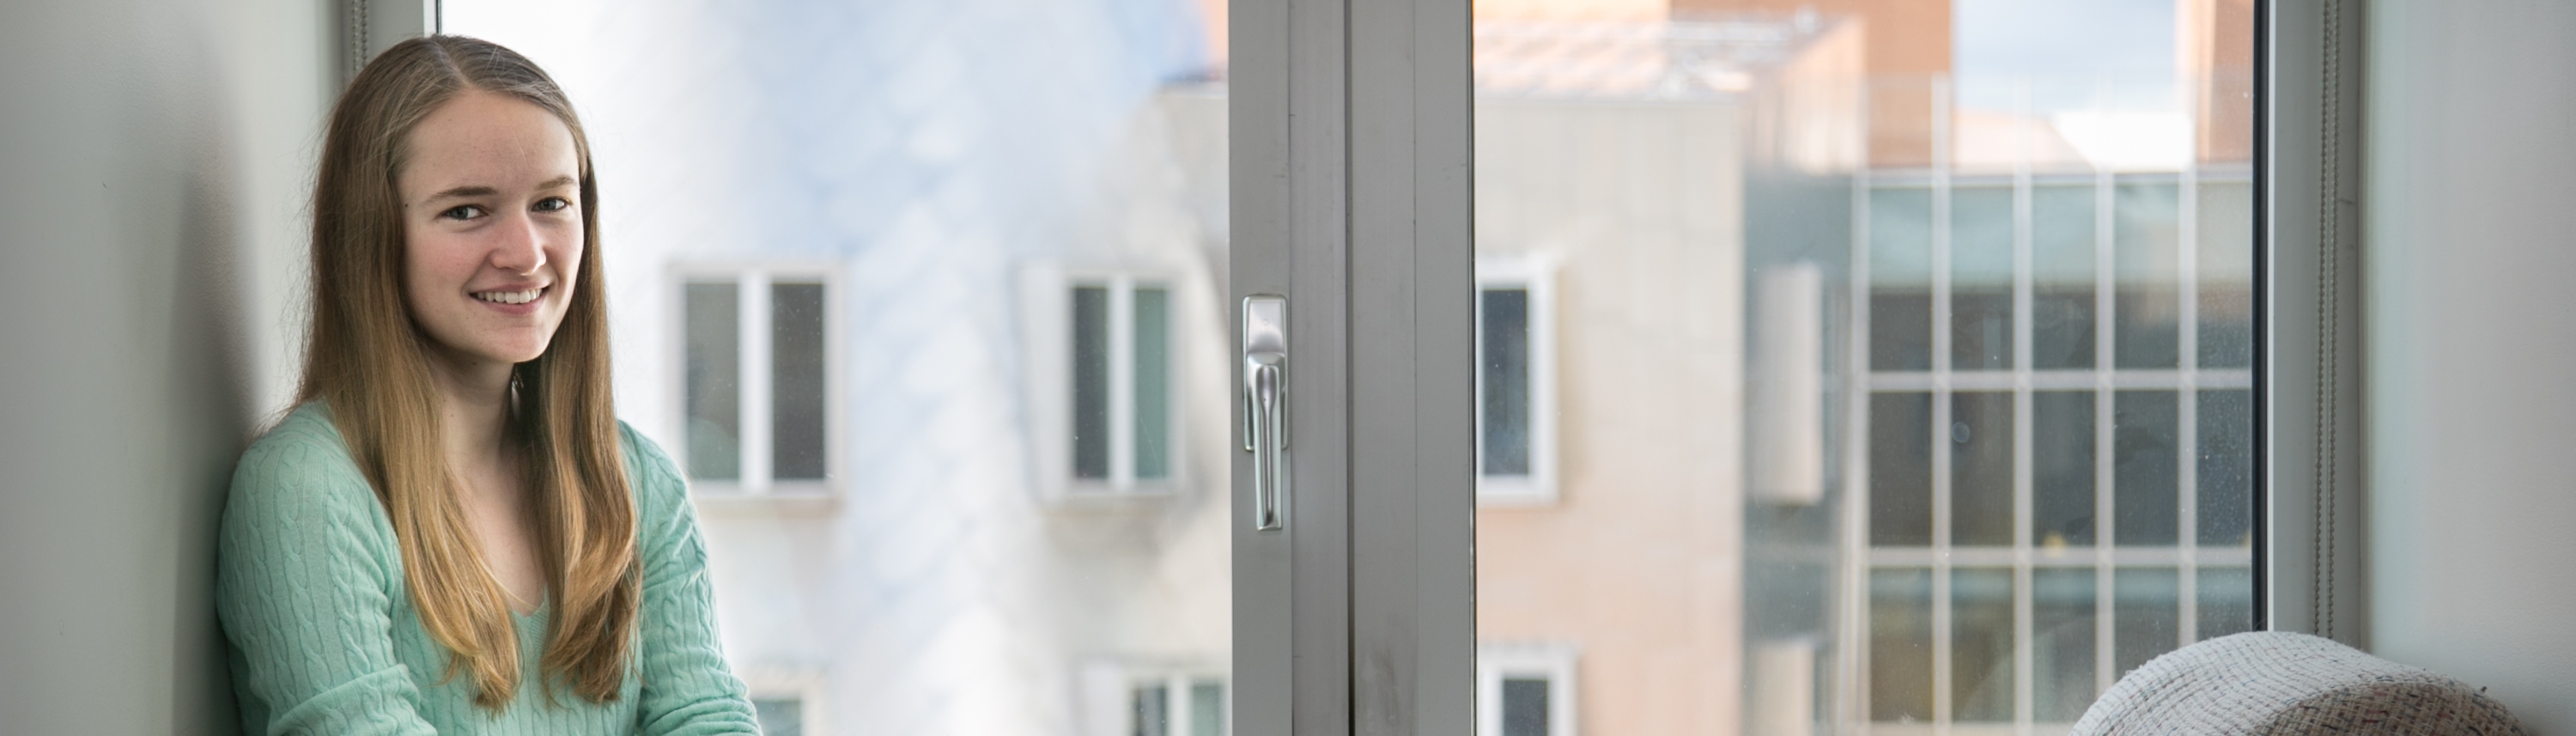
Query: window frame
(1537, 275)
(1357, 210)
(1045, 300)
(754, 382)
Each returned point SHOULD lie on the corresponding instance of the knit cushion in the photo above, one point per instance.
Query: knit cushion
(2269, 682)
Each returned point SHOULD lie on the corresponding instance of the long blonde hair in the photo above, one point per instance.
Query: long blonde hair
(369, 362)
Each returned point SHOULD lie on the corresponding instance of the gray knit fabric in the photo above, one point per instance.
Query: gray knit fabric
(2269, 682)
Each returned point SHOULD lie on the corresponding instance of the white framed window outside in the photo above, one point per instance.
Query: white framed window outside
(1144, 699)
(1101, 370)
(1525, 689)
(757, 351)
(1515, 381)
(787, 701)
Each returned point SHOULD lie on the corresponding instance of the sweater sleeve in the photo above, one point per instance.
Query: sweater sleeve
(306, 593)
(687, 690)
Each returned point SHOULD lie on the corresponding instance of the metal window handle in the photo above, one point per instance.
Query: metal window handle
(1265, 406)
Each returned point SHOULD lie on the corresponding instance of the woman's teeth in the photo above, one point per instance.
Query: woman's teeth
(509, 297)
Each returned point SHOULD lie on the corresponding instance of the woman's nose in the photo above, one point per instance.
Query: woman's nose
(520, 247)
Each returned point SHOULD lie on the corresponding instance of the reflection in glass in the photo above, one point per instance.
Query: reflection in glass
(1153, 703)
(1525, 706)
(779, 717)
(2143, 466)
(797, 381)
(1153, 395)
(2147, 264)
(2146, 615)
(2062, 654)
(2225, 257)
(1207, 708)
(711, 383)
(1900, 469)
(1900, 274)
(1981, 468)
(2225, 482)
(2226, 599)
(1981, 278)
(2062, 277)
(1505, 412)
(1981, 644)
(2061, 455)
(1900, 644)
(1090, 382)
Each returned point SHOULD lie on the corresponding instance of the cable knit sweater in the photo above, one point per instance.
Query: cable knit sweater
(324, 639)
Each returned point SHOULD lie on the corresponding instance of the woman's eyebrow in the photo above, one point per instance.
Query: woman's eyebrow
(478, 190)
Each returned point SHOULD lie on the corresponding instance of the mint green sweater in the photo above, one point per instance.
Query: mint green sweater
(324, 638)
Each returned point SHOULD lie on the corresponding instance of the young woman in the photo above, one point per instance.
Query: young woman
(453, 533)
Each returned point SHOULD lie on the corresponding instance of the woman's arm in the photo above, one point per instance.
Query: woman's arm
(687, 689)
(305, 592)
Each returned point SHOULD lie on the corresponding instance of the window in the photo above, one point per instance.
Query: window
(1143, 699)
(787, 701)
(2119, 435)
(1515, 382)
(1178, 706)
(1525, 689)
(1101, 354)
(757, 379)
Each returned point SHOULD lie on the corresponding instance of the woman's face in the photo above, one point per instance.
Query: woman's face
(492, 217)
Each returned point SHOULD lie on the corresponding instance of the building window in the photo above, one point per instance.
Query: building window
(1515, 382)
(2059, 435)
(1177, 705)
(1525, 690)
(1100, 362)
(756, 390)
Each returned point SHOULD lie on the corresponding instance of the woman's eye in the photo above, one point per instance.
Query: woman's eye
(462, 212)
(551, 204)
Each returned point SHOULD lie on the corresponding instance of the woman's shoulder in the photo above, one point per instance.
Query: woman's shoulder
(652, 473)
(302, 460)
(296, 488)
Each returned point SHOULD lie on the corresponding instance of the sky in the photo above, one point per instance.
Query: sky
(2066, 50)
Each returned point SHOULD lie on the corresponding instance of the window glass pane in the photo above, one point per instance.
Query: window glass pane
(1525, 706)
(1090, 382)
(1153, 363)
(2146, 615)
(975, 226)
(1900, 469)
(2143, 468)
(1505, 408)
(2062, 277)
(2226, 271)
(2146, 218)
(2226, 601)
(1981, 468)
(2032, 247)
(712, 384)
(1981, 278)
(1900, 644)
(2061, 456)
(779, 717)
(1207, 708)
(1153, 710)
(1981, 644)
(2061, 610)
(796, 384)
(1900, 276)
(2225, 482)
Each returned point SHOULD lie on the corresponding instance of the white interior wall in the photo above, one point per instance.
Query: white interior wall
(2471, 171)
(155, 160)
